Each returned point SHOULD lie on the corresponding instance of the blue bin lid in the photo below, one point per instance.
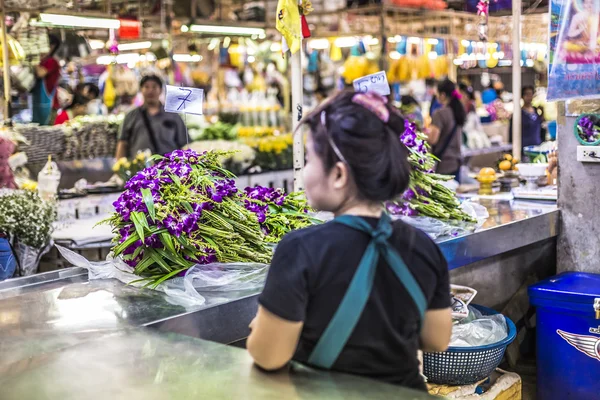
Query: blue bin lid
(574, 287)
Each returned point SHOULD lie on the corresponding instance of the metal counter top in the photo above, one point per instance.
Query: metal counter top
(65, 303)
(144, 365)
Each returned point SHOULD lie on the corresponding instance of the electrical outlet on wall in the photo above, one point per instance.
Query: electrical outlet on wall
(588, 154)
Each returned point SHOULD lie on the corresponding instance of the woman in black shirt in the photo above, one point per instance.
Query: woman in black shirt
(360, 294)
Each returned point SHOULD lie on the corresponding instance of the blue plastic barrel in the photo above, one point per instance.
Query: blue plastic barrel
(568, 336)
(8, 263)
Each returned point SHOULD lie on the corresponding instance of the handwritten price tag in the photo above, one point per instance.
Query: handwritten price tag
(377, 83)
(184, 100)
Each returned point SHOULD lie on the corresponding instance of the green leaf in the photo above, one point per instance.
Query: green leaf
(144, 264)
(139, 227)
(165, 238)
(210, 241)
(158, 260)
(168, 276)
(187, 207)
(130, 240)
(149, 201)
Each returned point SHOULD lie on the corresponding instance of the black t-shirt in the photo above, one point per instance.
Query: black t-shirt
(310, 273)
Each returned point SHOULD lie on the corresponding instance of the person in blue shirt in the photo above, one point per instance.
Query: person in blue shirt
(532, 119)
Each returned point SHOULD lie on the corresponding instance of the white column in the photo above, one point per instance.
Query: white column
(516, 79)
(297, 113)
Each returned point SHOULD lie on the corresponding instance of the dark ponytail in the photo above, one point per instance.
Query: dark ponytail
(449, 89)
(377, 160)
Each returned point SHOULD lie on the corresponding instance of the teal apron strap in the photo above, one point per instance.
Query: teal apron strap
(346, 317)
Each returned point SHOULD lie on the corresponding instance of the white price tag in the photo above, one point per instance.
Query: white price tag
(184, 100)
(377, 83)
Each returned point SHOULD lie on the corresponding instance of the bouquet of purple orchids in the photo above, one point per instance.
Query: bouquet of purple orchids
(426, 196)
(186, 210)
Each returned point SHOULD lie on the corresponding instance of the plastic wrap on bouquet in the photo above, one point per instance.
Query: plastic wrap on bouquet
(29, 258)
(436, 227)
(183, 290)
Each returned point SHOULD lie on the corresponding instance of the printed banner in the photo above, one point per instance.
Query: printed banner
(574, 50)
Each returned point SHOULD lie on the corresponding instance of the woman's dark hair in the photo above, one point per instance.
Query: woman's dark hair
(377, 160)
(463, 87)
(54, 42)
(93, 90)
(407, 100)
(78, 100)
(448, 88)
(526, 88)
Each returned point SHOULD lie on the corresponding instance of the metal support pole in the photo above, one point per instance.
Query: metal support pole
(297, 113)
(516, 79)
(5, 63)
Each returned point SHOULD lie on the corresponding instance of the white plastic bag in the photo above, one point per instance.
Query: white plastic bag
(479, 330)
(180, 290)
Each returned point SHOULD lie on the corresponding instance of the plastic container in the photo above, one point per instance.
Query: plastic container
(568, 336)
(467, 365)
(8, 263)
(48, 180)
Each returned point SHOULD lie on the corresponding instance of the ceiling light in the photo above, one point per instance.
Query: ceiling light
(414, 39)
(185, 28)
(127, 58)
(319, 44)
(373, 42)
(432, 41)
(227, 30)
(79, 22)
(432, 55)
(345, 42)
(187, 58)
(135, 46)
(276, 47)
(97, 44)
(251, 59)
(394, 55)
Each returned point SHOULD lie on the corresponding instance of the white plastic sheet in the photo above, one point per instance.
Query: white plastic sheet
(186, 290)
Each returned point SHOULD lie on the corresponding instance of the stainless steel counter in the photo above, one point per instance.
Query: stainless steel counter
(140, 364)
(63, 303)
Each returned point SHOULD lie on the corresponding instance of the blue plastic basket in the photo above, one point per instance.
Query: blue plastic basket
(467, 365)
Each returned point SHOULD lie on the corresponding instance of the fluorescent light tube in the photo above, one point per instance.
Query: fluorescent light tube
(135, 46)
(227, 30)
(79, 22)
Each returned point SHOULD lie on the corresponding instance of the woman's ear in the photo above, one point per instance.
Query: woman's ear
(341, 175)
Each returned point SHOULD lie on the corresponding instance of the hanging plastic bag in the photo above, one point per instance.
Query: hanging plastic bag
(574, 52)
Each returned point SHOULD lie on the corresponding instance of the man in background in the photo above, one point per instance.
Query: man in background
(149, 126)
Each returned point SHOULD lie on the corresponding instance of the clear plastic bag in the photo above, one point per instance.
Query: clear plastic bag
(180, 290)
(436, 228)
(479, 330)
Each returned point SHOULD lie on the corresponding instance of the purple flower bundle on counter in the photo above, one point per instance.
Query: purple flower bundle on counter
(186, 210)
(588, 128)
(426, 195)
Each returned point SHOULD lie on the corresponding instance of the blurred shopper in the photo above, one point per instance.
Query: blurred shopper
(95, 105)
(319, 306)
(411, 109)
(77, 108)
(45, 102)
(149, 126)
(445, 132)
(532, 119)
(475, 136)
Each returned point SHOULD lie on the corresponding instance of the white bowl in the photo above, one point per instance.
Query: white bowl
(532, 170)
